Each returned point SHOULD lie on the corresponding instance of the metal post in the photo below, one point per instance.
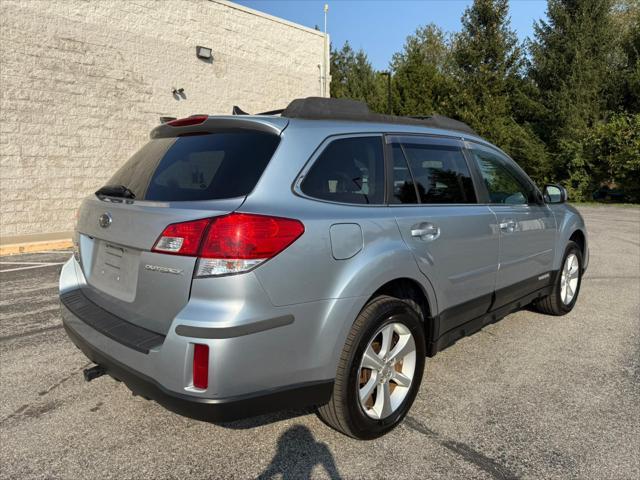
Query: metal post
(325, 73)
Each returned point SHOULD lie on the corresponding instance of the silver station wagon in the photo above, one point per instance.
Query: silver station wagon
(313, 256)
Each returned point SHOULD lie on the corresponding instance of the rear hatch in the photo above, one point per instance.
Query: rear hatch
(182, 174)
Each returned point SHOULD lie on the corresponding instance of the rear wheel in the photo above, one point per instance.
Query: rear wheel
(379, 371)
(567, 286)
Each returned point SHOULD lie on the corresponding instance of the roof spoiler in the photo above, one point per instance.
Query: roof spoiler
(273, 125)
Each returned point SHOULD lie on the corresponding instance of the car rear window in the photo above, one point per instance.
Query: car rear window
(198, 167)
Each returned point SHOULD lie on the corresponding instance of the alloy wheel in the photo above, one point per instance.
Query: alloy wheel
(569, 278)
(386, 370)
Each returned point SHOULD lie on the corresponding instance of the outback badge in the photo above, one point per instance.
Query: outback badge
(161, 269)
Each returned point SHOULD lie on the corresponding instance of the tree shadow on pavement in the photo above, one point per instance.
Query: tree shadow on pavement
(298, 453)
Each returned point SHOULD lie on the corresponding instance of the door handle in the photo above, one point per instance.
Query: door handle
(425, 231)
(508, 226)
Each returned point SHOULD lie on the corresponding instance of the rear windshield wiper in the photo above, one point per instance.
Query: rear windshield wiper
(115, 191)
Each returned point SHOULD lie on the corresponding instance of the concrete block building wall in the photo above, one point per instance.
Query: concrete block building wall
(82, 83)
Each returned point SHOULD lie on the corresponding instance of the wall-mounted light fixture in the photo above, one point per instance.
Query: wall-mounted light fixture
(204, 53)
(178, 93)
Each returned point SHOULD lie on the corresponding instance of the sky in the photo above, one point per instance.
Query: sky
(380, 27)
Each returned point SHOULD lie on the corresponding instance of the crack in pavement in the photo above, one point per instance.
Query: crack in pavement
(627, 241)
(56, 385)
(6, 338)
(31, 313)
(33, 409)
(18, 293)
(612, 277)
(487, 464)
(33, 302)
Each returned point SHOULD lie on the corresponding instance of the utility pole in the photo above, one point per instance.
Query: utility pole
(325, 73)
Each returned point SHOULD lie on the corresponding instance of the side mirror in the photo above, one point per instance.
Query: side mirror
(554, 193)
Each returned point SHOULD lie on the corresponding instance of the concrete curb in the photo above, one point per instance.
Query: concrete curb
(34, 247)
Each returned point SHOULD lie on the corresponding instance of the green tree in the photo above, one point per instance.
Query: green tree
(626, 86)
(614, 148)
(492, 93)
(423, 81)
(565, 111)
(571, 65)
(352, 76)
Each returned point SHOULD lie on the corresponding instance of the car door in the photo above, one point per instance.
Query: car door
(453, 238)
(527, 225)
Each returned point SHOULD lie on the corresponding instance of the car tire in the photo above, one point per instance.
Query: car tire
(392, 334)
(559, 301)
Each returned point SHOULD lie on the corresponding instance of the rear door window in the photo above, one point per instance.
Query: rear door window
(349, 170)
(404, 189)
(198, 167)
(438, 169)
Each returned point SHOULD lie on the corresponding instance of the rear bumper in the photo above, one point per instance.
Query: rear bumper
(261, 357)
(207, 409)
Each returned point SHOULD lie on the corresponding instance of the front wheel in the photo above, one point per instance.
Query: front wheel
(379, 371)
(567, 286)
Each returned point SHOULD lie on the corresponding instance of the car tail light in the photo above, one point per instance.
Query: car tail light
(229, 244)
(182, 238)
(240, 242)
(201, 366)
(184, 122)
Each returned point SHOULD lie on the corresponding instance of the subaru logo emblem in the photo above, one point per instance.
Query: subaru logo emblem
(105, 220)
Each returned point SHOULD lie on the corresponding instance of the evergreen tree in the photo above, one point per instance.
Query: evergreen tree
(614, 148)
(567, 112)
(352, 76)
(492, 94)
(572, 58)
(626, 90)
(423, 83)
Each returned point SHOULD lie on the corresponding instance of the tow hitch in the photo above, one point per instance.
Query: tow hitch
(93, 372)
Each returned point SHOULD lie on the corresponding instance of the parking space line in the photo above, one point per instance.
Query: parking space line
(47, 251)
(28, 263)
(40, 265)
(39, 252)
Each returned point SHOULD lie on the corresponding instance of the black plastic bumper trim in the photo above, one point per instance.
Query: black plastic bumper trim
(236, 331)
(110, 325)
(208, 409)
(450, 337)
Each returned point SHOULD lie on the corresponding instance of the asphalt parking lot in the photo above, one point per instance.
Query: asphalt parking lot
(529, 397)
